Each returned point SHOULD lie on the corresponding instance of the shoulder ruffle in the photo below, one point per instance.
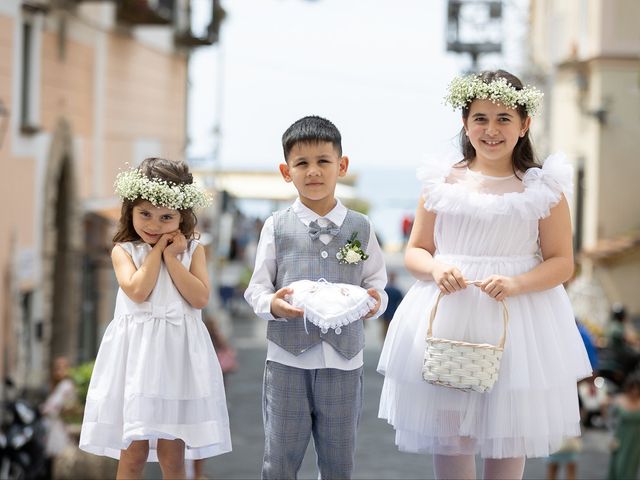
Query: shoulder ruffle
(543, 188)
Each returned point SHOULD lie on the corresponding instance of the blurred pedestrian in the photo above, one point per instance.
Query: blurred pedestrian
(395, 297)
(621, 354)
(156, 391)
(62, 397)
(498, 221)
(625, 420)
(566, 457)
(407, 225)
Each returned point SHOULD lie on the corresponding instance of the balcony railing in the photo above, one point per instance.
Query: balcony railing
(198, 22)
(146, 12)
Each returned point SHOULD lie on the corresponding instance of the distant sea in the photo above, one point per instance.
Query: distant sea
(392, 194)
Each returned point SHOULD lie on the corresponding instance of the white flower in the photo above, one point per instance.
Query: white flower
(351, 253)
(463, 90)
(133, 184)
(352, 257)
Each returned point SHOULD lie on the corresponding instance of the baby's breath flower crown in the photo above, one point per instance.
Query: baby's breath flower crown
(463, 90)
(132, 184)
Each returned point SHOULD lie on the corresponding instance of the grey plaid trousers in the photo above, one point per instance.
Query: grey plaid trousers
(297, 403)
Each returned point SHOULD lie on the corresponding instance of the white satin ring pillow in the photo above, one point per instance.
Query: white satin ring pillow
(330, 305)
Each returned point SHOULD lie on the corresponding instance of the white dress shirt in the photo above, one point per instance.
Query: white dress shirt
(261, 289)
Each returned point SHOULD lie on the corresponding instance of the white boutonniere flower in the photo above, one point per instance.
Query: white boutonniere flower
(351, 253)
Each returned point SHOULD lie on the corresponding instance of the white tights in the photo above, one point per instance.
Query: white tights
(463, 467)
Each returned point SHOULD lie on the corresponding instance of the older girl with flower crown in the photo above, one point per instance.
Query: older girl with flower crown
(496, 219)
(156, 392)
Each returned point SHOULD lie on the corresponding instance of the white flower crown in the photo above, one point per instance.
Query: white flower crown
(132, 184)
(463, 90)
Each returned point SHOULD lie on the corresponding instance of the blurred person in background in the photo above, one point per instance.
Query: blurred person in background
(621, 354)
(61, 397)
(625, 421)
(395, 297)
(567, 456)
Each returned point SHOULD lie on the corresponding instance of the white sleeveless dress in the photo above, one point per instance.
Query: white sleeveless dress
(156, 375)
(484, 226)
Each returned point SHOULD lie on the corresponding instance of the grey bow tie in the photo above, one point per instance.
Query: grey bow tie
(316, 230)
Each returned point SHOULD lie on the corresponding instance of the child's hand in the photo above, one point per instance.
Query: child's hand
(165, 240)
(499, 286)
(448, 278)
(280, 308)
(376, 295)
(177, 245)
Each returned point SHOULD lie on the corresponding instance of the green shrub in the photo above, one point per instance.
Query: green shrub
(81, 376)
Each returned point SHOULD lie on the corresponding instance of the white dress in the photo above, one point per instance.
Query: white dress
(156, 375)
(487, 225)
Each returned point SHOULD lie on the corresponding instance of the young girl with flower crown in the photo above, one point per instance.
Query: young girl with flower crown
(499, 220)
(156, 392)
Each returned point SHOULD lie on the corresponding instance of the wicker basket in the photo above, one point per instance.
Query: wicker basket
(462, 365)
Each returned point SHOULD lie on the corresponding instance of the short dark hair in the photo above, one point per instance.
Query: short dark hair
(311, 129)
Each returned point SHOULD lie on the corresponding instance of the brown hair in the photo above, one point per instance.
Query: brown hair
(523, 156)
(169, 171)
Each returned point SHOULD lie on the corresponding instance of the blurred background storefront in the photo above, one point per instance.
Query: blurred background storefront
(84, 88)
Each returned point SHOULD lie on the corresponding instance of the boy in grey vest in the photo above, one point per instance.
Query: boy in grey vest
(312, 380)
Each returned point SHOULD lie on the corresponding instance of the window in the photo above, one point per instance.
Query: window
(29, 71)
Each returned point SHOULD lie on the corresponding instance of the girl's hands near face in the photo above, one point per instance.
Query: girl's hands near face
(165, 240)
(448, 278)
(177, 244)
(499, 287)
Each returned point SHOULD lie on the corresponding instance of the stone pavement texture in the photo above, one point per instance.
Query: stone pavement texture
(377, 456)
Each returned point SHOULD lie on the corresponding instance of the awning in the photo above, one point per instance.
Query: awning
(612, 248)
(267, 186)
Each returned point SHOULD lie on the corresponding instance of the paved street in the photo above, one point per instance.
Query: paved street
(377, 456)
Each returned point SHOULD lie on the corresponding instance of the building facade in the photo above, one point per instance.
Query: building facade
(588, 54)
(86, 89)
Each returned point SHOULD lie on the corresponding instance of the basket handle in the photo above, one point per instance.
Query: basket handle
(505, 315)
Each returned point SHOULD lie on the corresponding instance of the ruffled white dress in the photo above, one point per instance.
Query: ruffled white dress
(484, 226)
(156, 375)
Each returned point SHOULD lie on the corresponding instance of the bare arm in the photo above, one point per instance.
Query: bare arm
(137, 283)
(418, 257)
(557, 254)
(193, 284)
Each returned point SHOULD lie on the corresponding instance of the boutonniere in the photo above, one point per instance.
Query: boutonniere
(352, 252)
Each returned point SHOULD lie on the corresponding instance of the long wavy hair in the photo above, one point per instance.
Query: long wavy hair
(523, 156)
(161, 169)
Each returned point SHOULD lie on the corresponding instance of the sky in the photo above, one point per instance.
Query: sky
(377, 69)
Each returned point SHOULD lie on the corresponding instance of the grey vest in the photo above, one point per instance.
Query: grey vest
(298, 257)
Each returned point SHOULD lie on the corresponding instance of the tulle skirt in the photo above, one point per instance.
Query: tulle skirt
(156, 380)
(533, 405)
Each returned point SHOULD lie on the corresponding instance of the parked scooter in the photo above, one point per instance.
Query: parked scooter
(22, 439)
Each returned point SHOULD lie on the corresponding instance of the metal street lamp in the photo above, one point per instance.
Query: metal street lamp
(474, 27)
